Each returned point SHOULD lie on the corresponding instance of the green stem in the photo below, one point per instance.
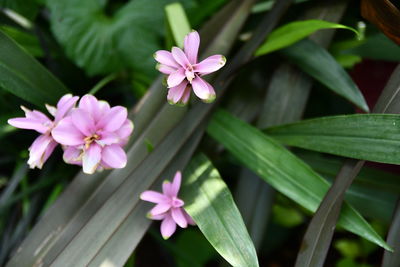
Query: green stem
(103, 82)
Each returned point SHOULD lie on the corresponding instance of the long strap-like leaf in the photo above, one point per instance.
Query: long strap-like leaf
(318, 236)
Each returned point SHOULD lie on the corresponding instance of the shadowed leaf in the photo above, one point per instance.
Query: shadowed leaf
(23, 76)
(318, 63)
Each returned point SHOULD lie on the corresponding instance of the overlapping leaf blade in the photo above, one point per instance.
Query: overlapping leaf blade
(280, 168)
(210, 203)
(373, 137)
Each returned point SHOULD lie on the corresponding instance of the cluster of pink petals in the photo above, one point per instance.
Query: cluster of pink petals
(184, 72)
(169, 207)
(44, 145)
(92, 134)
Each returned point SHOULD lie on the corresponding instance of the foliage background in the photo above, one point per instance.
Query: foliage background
(106, 47)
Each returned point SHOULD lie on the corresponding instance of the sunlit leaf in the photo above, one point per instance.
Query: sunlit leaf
(177, 22)
(293, 32)
(210, 203)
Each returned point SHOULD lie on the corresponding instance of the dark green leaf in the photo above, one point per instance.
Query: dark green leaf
(23, 76)
(318, 63)
(353, 136)
(28, 41)
(284, 171)
(210, 203)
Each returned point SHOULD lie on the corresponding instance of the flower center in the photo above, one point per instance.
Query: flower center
(91, 139)
(176, 202)
(189, 73)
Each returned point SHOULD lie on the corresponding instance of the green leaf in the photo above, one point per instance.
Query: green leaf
(23, 76)
(318, 63)
(293, 32)
(354, 136)
(210, 204)
(26, 8)
(102, 43)
(377, 47)
(28, 41)
(283, 170)
(177, 22)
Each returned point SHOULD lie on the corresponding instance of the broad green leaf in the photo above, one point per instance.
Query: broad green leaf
(283, 170)
(104, 43)
(373, 137)
(23, 76)
(209, 202)
(293, 32)
(177, 22)
(318, 63)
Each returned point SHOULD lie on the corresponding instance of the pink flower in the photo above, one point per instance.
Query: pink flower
(43, 146)
(184, 72)
(93, 135)
(169, 207)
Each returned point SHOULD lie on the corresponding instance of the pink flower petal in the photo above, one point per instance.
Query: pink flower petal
(179, 217)
(34, 114)
(40, 151)
(73, 155)
(126, 129)
(180, 57)
(83, 121)
(188, 218)
(91, 158)
(175, 93)
(168, 227)
(176, 184)
(167, 189)
(108, 138)
(30, 124)
(165, 69)
(176, 78)
(165, 57)
(51, 109)
(114, 156)
(64, 105)
(186, 95)
(67, 134)
(154, 197)
(210, 64)
(91, 105)
(160, 208)
(203, 89)
(104, 108)
(156, 217)
(113, 119)
(191, 46)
